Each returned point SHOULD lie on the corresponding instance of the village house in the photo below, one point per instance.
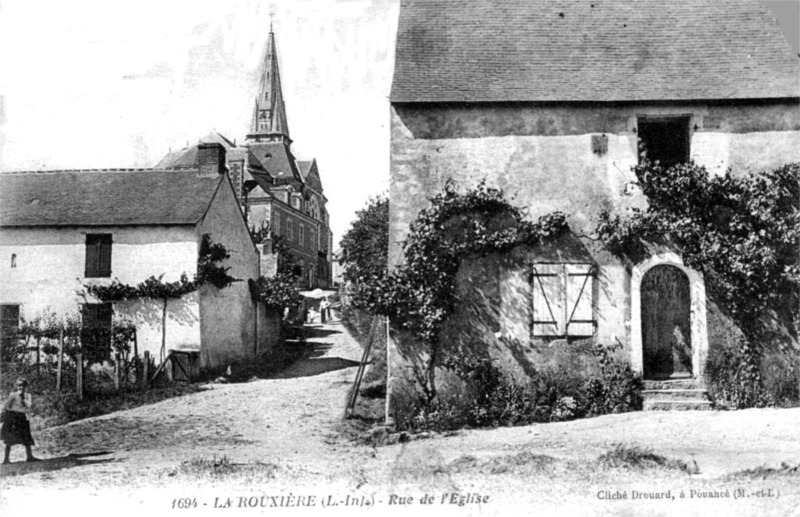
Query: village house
(549, 101)
(277, 192)
(64, 230)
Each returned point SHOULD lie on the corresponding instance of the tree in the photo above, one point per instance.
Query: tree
(365, 246)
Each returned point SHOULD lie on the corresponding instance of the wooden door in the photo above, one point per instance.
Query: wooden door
(666, 326)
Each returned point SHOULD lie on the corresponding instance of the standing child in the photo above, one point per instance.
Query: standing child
(16, 428)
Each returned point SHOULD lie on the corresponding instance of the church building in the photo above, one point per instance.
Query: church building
(278, 193)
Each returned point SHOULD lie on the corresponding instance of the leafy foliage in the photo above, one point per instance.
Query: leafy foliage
(488, 399)
(278, 292)
(208, 271)
(741, 232)
(419, 295)
(365, 245)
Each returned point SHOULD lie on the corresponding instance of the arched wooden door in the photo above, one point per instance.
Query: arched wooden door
(666, 323)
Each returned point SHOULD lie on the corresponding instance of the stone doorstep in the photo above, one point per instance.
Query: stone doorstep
(674, 384)
(677, 405)
(675, 394)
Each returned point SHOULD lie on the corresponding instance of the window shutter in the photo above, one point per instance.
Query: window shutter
(548, 308)
(98, 255)
(580, 280)
(105, 256)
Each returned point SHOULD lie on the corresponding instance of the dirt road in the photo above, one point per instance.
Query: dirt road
(284, 434)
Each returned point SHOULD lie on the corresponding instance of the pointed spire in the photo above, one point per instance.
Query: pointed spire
(269, 116)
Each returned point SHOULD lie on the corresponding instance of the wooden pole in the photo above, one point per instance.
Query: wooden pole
(387, 417)
(79, 364)
(60, 359)
(164, 331)
(117, 370)
(135, 356)
(38, 348)
(146, 369)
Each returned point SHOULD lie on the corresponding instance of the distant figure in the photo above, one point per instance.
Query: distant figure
(324, 307)
(16, 427)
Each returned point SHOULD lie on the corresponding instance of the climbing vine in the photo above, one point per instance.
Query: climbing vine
(420, 294)
(741, 232)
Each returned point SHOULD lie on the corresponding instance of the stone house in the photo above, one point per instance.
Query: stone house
(275, 189)
(62, 230)
(550, 101)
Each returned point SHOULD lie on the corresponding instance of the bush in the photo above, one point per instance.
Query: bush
(742, 376)
(484, 397)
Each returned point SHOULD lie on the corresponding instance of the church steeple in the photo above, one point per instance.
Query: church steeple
(269, 114)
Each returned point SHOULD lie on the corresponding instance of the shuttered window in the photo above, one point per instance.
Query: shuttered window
(98, 255)
(562, 300)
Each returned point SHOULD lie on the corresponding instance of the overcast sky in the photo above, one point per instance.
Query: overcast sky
(96, 83)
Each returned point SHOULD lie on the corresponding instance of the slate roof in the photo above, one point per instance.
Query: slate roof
(584, 50)
(105, 198)
(277, 160)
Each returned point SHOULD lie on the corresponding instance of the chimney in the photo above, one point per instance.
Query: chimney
(211, 159)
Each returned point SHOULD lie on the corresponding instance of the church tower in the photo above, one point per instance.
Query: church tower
(269, 113)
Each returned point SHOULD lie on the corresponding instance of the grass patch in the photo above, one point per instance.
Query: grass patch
(638, 458)
(786, 470)
(222, 468)
(524, 462)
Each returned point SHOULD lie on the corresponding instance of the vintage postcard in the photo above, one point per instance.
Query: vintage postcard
(393, 257)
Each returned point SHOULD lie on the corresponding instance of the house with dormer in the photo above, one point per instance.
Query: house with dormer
(550, 101)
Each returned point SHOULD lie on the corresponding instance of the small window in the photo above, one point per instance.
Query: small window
(98, 255)
(664, 139)
(277, 223)
(13, 261)
(302, 234)
(290, 229)
(562, 300)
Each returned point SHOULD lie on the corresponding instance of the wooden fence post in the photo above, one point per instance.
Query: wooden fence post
(146, 369)
(60, 359)
(117, 371)
(79, 364)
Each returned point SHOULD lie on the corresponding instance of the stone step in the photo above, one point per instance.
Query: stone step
(676, 394)
(673, 384)
(677, 405)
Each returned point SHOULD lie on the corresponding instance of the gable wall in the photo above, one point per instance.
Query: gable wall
(228, 316)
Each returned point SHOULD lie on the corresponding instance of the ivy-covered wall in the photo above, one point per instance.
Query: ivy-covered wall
(575, 159)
